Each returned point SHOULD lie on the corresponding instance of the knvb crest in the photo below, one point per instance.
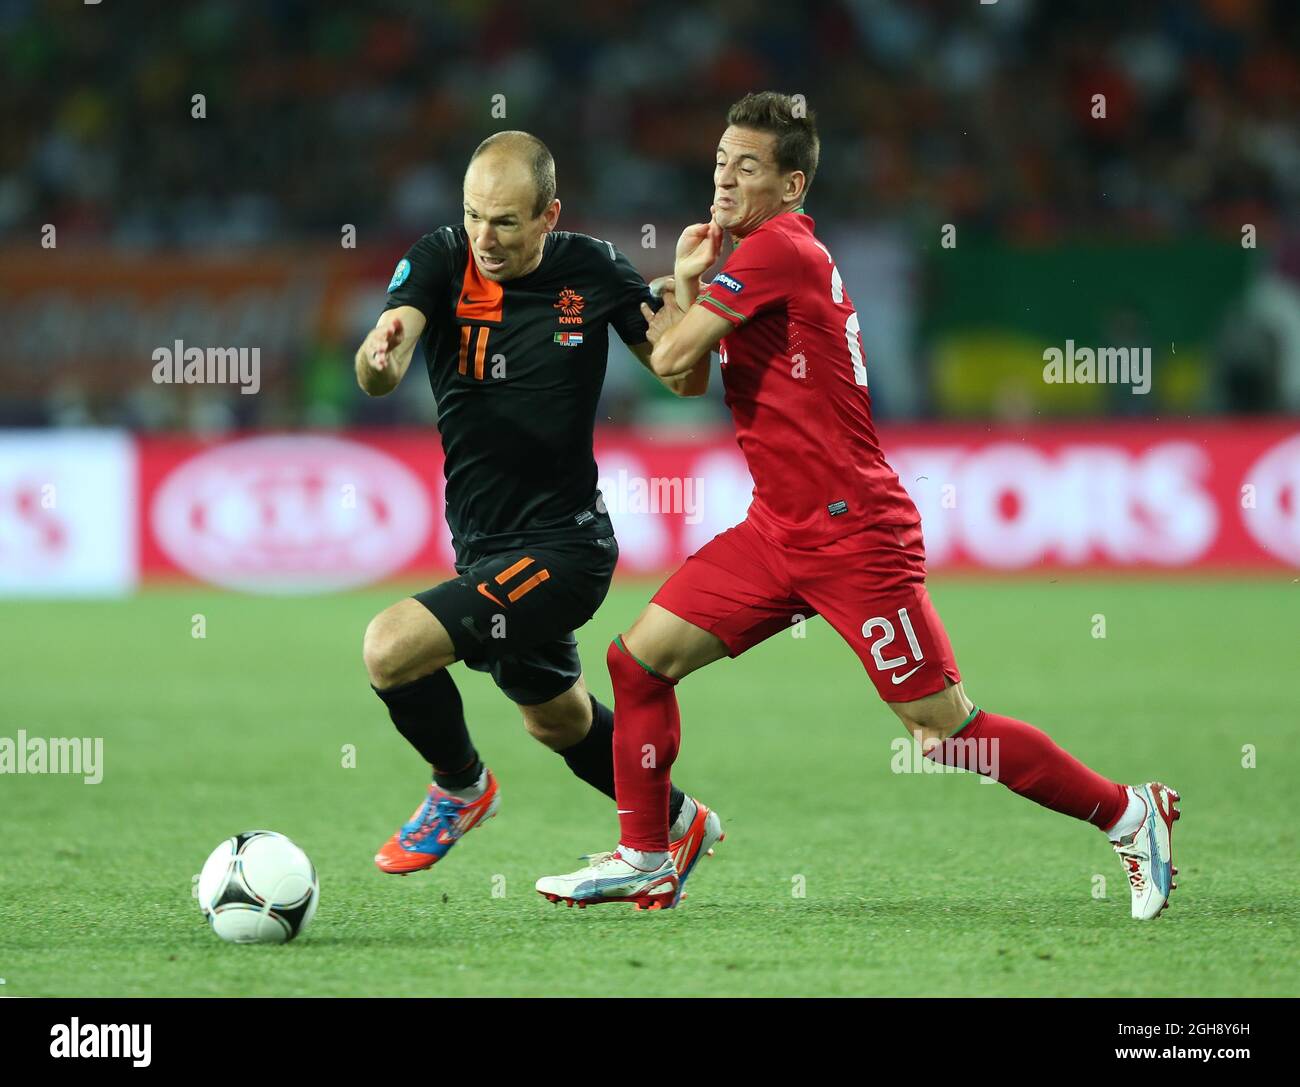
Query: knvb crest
(570, 305)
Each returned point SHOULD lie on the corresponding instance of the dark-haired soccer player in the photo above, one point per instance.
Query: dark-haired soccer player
(513, 315)
(830, 530)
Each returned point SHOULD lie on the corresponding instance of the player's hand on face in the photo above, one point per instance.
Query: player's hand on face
(381, 340)
(698, 248)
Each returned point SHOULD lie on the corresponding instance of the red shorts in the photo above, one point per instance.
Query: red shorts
(870, 586)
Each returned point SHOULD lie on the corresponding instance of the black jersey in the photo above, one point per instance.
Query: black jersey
(516, 368)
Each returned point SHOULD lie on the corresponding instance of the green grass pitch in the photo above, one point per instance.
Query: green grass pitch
(838, 876)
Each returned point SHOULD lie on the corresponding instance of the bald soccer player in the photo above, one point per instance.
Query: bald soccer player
(513, 316)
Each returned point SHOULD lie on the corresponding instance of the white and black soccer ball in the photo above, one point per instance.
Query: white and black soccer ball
(258, 888)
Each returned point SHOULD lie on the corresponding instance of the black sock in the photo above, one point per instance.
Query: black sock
(592, 758)
(429, 713)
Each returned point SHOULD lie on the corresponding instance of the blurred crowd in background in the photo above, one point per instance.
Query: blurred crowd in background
(931, 112)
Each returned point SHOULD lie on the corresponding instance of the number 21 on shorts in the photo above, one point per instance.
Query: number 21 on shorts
(886, 639)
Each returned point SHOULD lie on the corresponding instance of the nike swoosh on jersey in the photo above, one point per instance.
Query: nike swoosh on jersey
(896, 680)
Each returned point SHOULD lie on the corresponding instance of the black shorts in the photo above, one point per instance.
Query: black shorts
(513, 613)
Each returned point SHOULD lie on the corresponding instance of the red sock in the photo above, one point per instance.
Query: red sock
(647, 735)
(1028, 762)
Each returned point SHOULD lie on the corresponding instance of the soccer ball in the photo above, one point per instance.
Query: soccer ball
(258, 888)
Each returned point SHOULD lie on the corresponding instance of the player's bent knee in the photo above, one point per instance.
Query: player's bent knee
(554, 732)
(626, 663)
(668, 645)
(380, 652)
(397, 650)
(561, 722)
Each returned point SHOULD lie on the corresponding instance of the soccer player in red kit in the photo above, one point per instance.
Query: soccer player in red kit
(830, 530)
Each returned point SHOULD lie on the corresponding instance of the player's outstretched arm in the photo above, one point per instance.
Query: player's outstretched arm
(690, 381)
(694, 382)
(683, 342)
(387, 350)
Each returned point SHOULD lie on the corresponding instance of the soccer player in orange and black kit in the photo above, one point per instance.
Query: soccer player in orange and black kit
(513, 317)
(831, 531)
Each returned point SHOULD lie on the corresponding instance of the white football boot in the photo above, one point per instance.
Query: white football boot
(1147, 853)
(609, 878)
(702, 832)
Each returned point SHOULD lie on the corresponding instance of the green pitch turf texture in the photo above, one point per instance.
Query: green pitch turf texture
(838, 876)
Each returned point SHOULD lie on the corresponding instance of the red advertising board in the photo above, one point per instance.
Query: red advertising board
(307, 512)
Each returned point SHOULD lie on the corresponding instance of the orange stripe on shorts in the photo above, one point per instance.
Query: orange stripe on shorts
(510, 571)
(531, 583)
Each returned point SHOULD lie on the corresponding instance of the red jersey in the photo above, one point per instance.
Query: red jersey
(796, 384)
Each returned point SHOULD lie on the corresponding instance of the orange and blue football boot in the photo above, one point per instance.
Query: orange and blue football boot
(437, 824)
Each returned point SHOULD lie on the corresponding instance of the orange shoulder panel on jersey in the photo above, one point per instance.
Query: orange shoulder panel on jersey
(480, 298)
